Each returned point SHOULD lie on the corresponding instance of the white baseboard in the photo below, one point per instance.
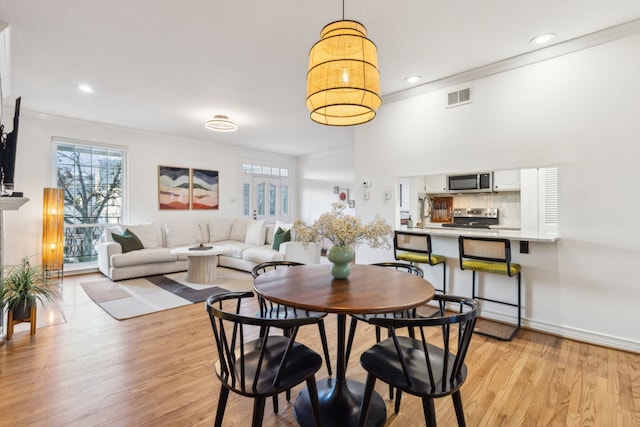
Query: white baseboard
(569, 332)
(585, 336)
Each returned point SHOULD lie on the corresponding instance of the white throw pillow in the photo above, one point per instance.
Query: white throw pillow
(219, 229)
(239, 229)
(149, 234)
(181, 234)
(270, 232)
(255, 234)
(106, 234)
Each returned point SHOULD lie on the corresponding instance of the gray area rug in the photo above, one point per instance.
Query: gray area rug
(125, 299)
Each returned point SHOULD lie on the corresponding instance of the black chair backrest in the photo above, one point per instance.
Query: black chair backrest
(444, 350)
(268, 307)
(411, 269)
(271, 265)
(485, 249)
(235, 340)
(406, 241)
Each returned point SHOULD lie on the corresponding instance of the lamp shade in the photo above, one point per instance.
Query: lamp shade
(343, 81)
(53, 229)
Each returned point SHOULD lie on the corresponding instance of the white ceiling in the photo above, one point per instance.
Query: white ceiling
(167, 66)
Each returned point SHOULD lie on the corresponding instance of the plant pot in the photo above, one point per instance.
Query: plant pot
(341, 257)
(22, 310)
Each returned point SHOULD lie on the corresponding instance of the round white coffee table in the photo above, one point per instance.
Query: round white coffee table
(202, 263)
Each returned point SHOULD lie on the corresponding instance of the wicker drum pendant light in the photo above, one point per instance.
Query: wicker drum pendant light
(343, 81)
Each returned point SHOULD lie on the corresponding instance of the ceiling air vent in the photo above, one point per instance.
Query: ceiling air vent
(459, 97)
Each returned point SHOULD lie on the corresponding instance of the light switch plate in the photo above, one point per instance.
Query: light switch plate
(365, 195)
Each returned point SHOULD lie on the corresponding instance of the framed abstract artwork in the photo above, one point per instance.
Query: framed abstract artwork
(204, 189)
(173, 187)
(343, 195)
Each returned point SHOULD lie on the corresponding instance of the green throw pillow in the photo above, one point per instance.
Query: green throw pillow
(279, 237)
(128, 241)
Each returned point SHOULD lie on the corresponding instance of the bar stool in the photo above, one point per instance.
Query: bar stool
(415, 248)
(491, 255)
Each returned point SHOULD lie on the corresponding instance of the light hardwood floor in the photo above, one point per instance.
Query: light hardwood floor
(157, 370)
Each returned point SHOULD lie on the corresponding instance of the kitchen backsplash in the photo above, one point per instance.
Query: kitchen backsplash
(508, 204)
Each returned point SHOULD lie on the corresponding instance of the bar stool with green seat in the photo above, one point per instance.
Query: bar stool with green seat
(491, 255)
(415, 248)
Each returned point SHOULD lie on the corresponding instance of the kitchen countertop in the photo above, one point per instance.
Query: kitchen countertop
(436, 229)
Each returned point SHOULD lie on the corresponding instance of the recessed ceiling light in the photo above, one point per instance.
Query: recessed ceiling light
(542, 38)
(413, 79)
(221, 123)
(84, 88)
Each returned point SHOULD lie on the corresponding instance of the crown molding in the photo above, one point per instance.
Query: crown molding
(574, 45)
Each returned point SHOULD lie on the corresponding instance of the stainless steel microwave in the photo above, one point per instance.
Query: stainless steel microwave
(471, 182)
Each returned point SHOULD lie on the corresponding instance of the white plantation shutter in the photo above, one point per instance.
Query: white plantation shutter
(548, 181)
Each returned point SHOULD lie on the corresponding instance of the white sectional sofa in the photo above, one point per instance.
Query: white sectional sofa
(246, 242)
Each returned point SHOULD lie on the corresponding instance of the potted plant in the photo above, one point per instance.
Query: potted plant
(22, 286)
(345, 232)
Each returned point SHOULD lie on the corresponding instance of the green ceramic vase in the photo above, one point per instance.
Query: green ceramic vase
(341, 257)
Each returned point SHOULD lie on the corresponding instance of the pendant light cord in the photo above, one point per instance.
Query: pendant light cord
(343, 10)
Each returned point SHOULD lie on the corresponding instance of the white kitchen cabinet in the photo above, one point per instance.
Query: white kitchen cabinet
(436, 183)
(506, 180)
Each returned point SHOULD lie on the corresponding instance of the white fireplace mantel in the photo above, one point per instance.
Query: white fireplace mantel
(12, 203)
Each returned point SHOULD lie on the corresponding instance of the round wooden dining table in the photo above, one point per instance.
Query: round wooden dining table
(368, 289)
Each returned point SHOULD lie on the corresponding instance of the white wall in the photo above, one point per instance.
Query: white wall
(318, 174)
(146, 151)
(579, 111)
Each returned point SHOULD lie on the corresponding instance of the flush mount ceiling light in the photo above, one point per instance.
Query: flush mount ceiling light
(413, 79)
(221, 123)
(343, 81)
(542, 38)
(84, 88)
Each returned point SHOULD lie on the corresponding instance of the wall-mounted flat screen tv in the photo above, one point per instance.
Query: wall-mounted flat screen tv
(8, 152)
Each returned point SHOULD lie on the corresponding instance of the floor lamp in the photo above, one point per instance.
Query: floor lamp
(53, 232)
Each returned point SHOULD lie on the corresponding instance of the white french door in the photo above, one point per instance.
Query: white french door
(270, 198)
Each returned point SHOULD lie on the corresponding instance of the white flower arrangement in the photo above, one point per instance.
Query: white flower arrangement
(344, 230)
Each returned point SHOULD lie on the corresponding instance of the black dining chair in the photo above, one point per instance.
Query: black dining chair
(428, 366)
(273, 310)
(408, 268)
(411, 269)
(260, 367)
